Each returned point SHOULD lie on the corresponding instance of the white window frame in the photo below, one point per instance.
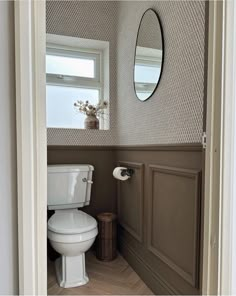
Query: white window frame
(80, 47)
(75, 53)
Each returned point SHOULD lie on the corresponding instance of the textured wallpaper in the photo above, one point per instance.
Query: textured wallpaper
(92, 20)
(174, 114)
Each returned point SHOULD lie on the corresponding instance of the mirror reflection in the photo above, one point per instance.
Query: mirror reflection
(148, 56)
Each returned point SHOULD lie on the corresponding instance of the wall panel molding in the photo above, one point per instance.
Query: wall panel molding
(145, 270)
(124, 195)
(158, 147)
(161, 147)
(186, 181)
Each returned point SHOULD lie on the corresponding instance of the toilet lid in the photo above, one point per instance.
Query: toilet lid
(71, 222)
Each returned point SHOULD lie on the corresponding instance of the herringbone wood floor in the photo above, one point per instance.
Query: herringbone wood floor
(106, 278)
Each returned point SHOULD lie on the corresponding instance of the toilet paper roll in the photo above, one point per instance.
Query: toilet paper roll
(117, 174)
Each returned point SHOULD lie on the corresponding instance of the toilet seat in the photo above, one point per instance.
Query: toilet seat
(71, 222)
(72, 238)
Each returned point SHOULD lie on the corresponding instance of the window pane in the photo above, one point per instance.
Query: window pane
(60, 105)
(147, 74)
(70, 66)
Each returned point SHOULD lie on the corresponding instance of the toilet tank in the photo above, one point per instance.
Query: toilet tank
(69, 186)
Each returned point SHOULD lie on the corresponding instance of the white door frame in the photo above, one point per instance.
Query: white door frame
(31, 145)
(227, 237)
(212, 159)
(30, 33)
(219, 261)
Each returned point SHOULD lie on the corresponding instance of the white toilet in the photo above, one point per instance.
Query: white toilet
(71, 232)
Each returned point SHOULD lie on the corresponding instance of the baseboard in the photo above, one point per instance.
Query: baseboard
(146, 272)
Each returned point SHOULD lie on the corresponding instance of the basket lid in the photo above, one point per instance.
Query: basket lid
(106, 217)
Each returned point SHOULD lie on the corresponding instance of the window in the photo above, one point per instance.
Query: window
(60, 105)
(73, 73)
(69, 65)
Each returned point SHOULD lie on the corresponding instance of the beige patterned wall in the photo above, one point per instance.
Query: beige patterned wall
(174, 114)
(92, 20)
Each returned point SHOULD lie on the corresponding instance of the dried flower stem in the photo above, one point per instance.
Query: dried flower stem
(89, 109)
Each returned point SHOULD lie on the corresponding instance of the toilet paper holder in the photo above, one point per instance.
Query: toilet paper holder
(127, 172)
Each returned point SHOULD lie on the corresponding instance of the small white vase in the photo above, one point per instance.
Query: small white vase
(91, 122)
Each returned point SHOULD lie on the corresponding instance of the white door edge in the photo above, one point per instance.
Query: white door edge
(227, 229)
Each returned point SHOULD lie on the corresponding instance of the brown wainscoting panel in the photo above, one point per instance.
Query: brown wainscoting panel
(130, 200)
(168, 256)
(149, 274)
(160, 211)
(174, 219)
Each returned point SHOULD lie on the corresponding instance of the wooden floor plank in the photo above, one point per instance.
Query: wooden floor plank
(106, 278)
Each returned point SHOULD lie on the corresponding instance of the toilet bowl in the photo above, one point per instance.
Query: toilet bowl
(71, 233)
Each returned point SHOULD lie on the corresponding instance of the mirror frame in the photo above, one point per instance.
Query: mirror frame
(163, 53)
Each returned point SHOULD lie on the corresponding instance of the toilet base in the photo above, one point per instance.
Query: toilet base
(70, 271)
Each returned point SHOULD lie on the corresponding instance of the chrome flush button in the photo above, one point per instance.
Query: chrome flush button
(87, 181)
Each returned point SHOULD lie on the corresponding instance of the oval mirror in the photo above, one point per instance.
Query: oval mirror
(148, 61)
